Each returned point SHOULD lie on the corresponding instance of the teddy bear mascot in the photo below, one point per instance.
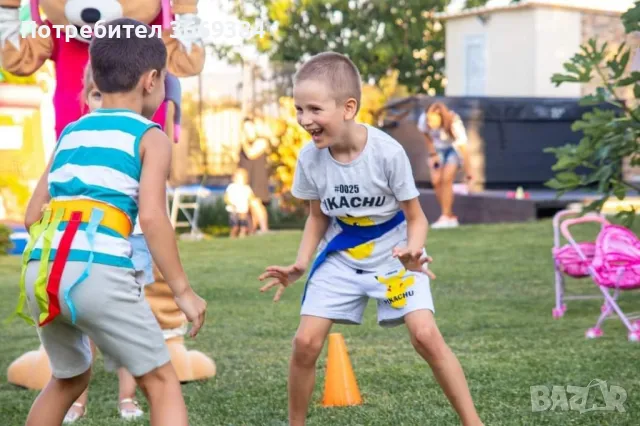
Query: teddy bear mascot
(23, 55)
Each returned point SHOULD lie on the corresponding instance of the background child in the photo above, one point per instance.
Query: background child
(133, 157)
(128, 406)
(355, 176)
(238, 198)
(446, 140)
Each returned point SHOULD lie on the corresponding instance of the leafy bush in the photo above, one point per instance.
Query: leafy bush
(5, 242)
(291, 216)
(214, 219)
(610, 134)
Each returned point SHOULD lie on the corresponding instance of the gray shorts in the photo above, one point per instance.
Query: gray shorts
(338, 292)
(111, 310)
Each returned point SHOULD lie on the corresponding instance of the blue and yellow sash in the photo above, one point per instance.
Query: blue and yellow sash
(350, 237)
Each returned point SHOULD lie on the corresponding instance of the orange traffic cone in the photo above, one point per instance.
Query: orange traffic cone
(340, 387)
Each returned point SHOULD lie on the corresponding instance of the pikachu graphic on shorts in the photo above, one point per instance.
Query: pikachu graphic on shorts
(397, 288)
(363, 250)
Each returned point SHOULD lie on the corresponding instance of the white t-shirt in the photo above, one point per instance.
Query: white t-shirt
(440, 138)
(239, 197)
(364, 192)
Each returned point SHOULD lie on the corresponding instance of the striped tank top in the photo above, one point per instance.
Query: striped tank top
(98, 158)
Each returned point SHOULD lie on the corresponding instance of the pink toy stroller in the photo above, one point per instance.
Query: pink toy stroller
(567, 261)
(615, 266)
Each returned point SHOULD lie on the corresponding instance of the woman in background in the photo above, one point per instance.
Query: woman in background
(445, 137)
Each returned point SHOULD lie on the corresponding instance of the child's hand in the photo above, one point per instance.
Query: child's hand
(413, 260)
(195, 309)
(283, 276)
(434, 162)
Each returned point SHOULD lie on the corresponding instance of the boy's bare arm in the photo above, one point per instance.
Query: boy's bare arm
(39, 198)
(417, 224)
(282, 276)
(154, 221)
(314, 229)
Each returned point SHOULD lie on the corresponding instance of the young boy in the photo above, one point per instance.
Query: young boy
(128, 406)
(107, 168)
(364, 210)
(238, 198)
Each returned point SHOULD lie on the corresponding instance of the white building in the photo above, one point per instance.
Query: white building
(513, 49)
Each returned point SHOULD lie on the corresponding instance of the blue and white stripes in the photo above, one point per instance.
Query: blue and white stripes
(98, 158)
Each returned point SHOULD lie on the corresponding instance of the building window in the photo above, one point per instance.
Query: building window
(475, 65)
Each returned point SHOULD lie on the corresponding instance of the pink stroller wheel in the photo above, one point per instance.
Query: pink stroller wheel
(594, 333)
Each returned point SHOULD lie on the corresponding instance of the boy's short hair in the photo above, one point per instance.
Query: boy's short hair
(87, 84)
(335, 69)
(118, 62)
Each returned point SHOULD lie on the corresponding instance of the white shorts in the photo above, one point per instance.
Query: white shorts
(338, 292)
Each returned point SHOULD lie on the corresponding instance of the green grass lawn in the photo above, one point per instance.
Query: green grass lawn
(493, 295)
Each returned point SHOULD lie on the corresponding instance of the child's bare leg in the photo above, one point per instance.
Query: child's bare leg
(307, 345)
(79, 407)
(429, 343)
(56, 398)
(448, 176)
(127, 393)
(162, 389)
(126, 384)
(243, 223)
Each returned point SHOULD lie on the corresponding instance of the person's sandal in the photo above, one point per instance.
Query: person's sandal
(74, 416)
(129, 414)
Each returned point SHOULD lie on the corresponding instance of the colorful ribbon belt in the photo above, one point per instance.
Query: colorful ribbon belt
(350, 237)
(47, 286)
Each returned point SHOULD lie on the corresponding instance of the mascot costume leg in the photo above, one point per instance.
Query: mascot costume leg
(23, 56)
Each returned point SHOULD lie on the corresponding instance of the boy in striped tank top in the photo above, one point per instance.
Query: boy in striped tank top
(127, 404)
(79, 281)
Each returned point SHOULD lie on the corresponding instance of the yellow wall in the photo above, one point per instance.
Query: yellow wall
(27, 162)
(22, 152)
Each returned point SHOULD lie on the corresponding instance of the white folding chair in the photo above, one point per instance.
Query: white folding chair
(182, 201)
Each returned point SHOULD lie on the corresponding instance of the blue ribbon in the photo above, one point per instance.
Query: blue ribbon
(350, 237)
(90, 231)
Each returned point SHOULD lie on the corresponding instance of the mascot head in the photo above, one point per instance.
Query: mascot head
(88, 12)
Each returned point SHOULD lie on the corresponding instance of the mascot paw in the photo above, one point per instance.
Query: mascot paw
(31, 370)
(9, 15)
(190, 365)
(9, 26)
(9, 4)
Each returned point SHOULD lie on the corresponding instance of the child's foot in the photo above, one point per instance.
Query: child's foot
(129, 409)
(75, 413)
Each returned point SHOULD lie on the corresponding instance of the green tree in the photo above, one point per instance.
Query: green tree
(478, 3)
(610, 134)
(474, 3)
(379, 36)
